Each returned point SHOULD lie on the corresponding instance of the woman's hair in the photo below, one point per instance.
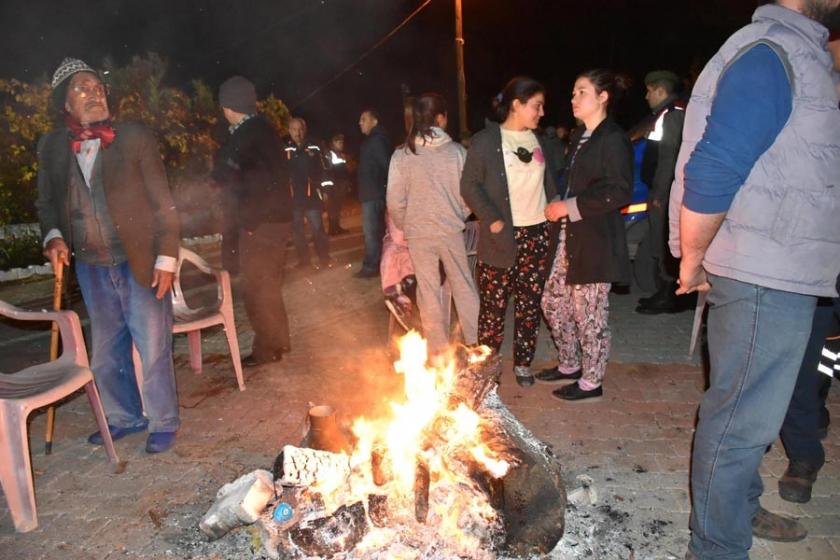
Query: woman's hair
(606, 80)
(424, 110)
(522, 88)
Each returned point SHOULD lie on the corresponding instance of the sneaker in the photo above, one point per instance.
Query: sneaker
(797, 482)
(158, 442)
(554, 375)
(524, 377)
(573, 392)
(772, 527)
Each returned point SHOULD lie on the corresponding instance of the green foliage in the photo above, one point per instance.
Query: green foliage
(20, 251)
(25, 118)
(183, 122)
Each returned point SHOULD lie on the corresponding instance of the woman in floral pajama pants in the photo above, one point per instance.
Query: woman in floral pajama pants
(591, 250)
(507, 182)
(524, 281)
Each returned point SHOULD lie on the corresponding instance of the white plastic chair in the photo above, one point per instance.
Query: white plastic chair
(192, 320)
(35, 387)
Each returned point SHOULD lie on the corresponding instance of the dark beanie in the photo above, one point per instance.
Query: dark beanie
(238, 94)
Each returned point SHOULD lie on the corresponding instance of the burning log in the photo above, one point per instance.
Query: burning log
(379, 467)
(331, 535)
(378, 510)
(296, 466)
(422, 480)
(532, 495)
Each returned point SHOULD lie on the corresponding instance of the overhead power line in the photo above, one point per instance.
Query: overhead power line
(364, 55)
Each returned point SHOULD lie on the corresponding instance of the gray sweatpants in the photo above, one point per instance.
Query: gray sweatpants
(449, 250)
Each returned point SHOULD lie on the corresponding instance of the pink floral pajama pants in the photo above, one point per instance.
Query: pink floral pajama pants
(578, 316)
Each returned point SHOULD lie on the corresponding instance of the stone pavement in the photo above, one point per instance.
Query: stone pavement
(635, 443)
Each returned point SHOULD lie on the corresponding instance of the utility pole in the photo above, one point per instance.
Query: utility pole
(464, 131)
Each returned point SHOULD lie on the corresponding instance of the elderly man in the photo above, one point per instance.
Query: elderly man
(103, 194)
(754, 210)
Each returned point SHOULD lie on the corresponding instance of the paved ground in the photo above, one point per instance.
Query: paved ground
(635, 443)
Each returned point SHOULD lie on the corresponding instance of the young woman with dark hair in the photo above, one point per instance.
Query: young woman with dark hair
(592, 249)
(507, 181)
(425, 203)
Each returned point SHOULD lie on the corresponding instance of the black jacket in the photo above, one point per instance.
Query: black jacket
(251, 165)
(485, 189)
(601, 181)
(374, 159)
(306, 170)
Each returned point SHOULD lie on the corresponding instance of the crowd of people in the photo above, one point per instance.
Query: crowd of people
(741, 188)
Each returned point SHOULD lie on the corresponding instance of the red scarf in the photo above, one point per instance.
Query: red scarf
(78, 133)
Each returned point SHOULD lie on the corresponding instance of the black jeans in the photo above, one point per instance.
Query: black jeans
(799, 430)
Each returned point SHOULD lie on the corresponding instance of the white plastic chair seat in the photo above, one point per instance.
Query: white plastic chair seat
(191, 320)
(32, 388)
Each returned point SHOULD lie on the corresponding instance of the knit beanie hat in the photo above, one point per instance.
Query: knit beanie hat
(67, 68)
(238, 93)
(662, 77)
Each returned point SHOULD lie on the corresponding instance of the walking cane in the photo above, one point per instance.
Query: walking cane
(54, 337)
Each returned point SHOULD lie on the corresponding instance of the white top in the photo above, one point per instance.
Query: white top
(525, 180)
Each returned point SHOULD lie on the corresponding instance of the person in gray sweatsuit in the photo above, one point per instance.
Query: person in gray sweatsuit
(425, 203)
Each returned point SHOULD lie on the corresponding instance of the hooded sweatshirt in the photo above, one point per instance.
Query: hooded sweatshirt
(424, 198)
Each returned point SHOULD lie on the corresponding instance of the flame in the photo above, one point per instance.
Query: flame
(424, 425)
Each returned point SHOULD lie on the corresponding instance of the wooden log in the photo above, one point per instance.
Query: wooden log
(422, 480)
(296, 466)
(238, 503)
(531, 496)
(331, 535)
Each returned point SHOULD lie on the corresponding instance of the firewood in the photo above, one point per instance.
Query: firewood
(421, 491)
(297, 466)
(331, 535)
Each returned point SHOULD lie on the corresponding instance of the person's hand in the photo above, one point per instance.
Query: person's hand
(497, 226)
(162, 280)
(57, 250)
(556, 210)
(692, 279)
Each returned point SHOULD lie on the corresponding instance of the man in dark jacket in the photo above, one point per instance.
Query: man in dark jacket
(250, 165)
(103, 193)
(374, 159)
(664, 137)
(336, 182)
(306, 169)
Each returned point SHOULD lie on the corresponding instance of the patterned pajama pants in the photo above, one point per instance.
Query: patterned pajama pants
(578, 316)
(525, 281)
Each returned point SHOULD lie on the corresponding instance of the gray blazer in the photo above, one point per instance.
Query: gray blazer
(485, 189)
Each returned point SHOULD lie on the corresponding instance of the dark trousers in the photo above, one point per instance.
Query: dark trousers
(263, 261)
(335, 200)
(802, 421)
(373, 226)
(316, 228)
(666, 267)
(525, 281)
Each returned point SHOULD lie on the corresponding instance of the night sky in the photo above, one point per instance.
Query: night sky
(291, 47)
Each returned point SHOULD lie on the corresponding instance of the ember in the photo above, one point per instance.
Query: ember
(448, 472)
